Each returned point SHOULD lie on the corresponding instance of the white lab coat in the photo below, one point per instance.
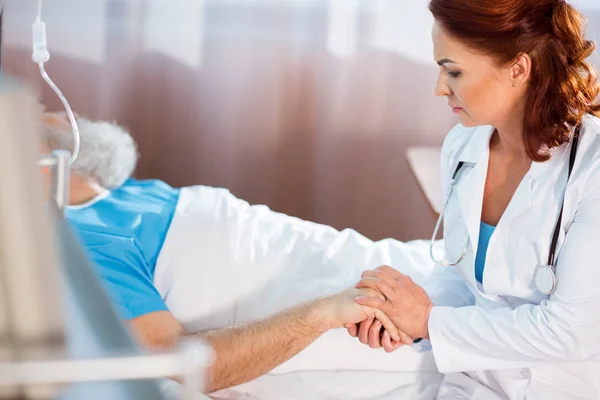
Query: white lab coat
(533, 345)
(225, 262)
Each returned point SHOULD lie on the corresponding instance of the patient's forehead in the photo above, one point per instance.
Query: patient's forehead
(57, 120)
(59, 123)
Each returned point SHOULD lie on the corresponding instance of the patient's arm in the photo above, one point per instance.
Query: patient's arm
(157, 330)
(242, 352)
(247, 351)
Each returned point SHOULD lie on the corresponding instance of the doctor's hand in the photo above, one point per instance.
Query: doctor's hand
(406, 304)
(372, 333)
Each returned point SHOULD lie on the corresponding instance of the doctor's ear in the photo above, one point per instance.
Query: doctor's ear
(520, 70)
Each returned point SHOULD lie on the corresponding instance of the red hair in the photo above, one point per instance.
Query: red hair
(563, 87)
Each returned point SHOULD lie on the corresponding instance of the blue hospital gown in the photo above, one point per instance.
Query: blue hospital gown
(122, 233)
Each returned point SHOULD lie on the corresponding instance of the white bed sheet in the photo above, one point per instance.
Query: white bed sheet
(337, 366)
(329, 385)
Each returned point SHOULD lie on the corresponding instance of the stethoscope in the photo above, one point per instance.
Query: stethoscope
(545, 275)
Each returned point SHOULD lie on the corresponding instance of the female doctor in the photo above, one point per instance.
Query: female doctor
(521, 173)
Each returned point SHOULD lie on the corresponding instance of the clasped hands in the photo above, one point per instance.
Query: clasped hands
(395, 299)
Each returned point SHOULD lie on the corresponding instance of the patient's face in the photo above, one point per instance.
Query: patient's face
(59, 120)
(479, 91)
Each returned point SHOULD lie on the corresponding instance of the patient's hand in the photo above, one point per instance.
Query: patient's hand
(343, 310)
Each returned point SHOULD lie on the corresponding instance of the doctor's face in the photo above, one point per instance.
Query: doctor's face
(478, 91)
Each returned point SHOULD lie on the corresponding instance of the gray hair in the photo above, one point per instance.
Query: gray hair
(108, 153)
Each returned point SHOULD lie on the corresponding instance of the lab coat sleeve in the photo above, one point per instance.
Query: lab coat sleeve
(563, 328)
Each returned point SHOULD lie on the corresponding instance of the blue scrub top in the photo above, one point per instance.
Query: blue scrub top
(122, 233)
(485, 233)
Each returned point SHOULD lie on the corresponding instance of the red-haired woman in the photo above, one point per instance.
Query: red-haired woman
(522, 216)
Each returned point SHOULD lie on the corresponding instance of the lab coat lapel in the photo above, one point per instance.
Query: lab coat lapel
(470, 194)
(470, 184)
(520, 202)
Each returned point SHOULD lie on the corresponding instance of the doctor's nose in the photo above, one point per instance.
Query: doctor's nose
(441, 88)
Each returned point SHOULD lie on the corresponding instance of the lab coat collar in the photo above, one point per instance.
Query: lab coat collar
(475, 154)
(477, 145)
(541, 171)
(471, 186)
(471, 183)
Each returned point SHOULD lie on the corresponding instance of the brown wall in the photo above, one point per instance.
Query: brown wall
(269, 113)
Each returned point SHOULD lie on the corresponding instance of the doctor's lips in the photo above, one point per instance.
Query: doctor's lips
(456, 110)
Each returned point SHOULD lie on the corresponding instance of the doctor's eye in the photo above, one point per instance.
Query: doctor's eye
(454, 74)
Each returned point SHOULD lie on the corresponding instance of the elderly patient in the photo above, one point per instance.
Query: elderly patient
(198, 261)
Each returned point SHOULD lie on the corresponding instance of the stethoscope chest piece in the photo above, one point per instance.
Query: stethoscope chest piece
(545, 279)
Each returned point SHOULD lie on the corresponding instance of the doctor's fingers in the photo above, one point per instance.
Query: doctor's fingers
(374, 335)
(389, 345)
(394, 273)
(377, 338)
(379, 274)
(352, 329)
(376, 309)
(384, 276)
(387, 323)
(363, 330)
(385, 286)
(397, 278)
